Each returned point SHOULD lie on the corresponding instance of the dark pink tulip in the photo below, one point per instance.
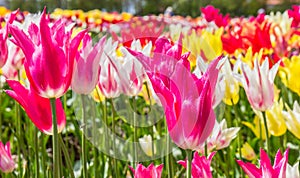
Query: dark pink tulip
(147, 172)
(7, 164)
(279, 168)
(49, 52)
(87, 68)
(200, 165)
(37, 108)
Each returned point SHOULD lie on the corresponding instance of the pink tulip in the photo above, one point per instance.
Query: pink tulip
(14, 62)
(187, 100)
(87, 68)
(147, 172)
(3, 39)
(279, 168)
(259, 84)
(37, 108)
(200, 165)
(49, 52)
(7, 164)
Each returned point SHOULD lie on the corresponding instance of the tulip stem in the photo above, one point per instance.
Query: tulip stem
(55, 140)
(115, 165)
(135, 160)
(169, 158)
(267, 131)
(189, 163)
(84, 155)
(67, 156)
(36, 144)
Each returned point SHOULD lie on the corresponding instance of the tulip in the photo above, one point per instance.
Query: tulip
(248, 152)
(87, 68)
(49, 52)
(259, 84)
(187, 102)
(37, 108)
(3, 39)
(7, 164)
(255, 126)
(109, 79)
(146, 144)
(289, 74)
(221, 136)
(147, 172)
(200, 165)
(292, 119)
(279, 168)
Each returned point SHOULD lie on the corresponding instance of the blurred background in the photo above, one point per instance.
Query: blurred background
(146, 7)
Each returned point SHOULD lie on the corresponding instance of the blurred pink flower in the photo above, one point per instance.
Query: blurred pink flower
(3, 38)
(200, 165)
(87, 66)
(147, 172)
(279, 168)
(49, 52)
(7, 164)
(37, 108)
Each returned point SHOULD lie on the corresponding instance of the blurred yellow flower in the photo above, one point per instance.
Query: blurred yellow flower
(248, 152)
(97, 95)
(292, 119)
(207, 44)
(290, 73)
(255, 127)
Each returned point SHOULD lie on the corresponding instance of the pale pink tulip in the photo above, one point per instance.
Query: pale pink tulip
(7, 164)
(87, 68)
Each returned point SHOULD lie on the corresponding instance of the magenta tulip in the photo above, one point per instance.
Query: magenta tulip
(200, 165)
(147, 172)
(37, 108)
(279, 168)
(49, 52)
(7, 164)
(87, 68)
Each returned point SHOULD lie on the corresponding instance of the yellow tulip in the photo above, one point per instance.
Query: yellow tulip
(275, 120)
(255, 127)
(248, 152)
(232, 86)
(290, 73)
(292, 118)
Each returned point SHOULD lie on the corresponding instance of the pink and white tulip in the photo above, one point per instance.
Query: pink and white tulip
(259, 84)
(7, 164)
(87, 68)
(279, 168)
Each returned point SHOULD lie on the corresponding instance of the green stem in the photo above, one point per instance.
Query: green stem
(84, 154)
(189, 163)
(36, 144)
(55, 139)
(169, 158)
(113, 138)
(267, 132)
(135, 139)
(66, 156)
(19, 133)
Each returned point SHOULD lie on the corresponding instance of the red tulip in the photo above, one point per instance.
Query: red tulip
(37, 108)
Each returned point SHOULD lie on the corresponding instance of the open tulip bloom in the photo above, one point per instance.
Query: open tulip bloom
(49, 55)
(280, 168)
(37, 108)
(147, 172)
